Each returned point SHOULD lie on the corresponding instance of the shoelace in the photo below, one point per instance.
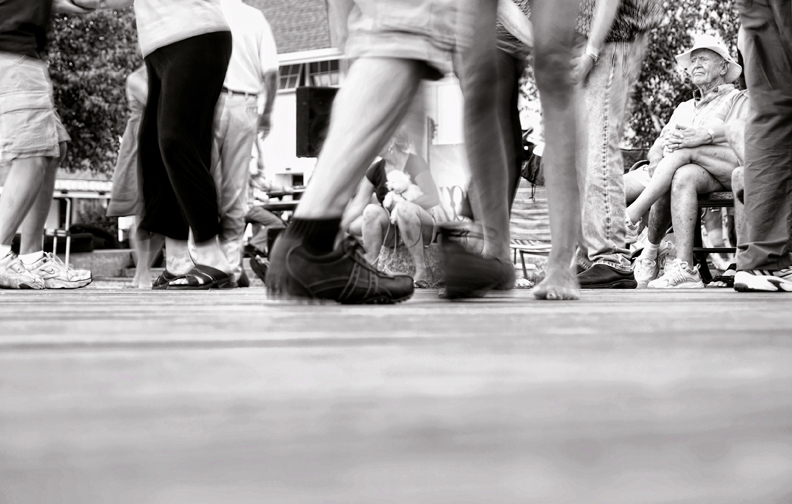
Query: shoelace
(677, 273)
(354, 250)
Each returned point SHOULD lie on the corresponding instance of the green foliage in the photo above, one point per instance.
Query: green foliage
(90, 58)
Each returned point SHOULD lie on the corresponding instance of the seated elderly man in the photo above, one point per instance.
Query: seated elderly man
(691, 156)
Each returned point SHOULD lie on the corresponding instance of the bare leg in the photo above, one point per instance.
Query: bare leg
(689, 181)
(718, 160)
(484, 137)
(177, 256)
(375, 97)
(32, 229)
(375, 223)
(659, 219)
(146, 247)
(659, 184)
(20, 192)
(554, 25)
(413, 223)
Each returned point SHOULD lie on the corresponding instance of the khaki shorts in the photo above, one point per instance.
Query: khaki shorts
(425, 30)
(29, 124)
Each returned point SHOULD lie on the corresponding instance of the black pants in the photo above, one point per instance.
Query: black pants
(768, 135)
(175, 143)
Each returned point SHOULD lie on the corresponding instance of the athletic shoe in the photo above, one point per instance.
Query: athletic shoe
(56, 275)
(645, 270)
(604, 276)
(763, 281)
(665, 256)
(14, 274)
(678, 275)
(342, 275)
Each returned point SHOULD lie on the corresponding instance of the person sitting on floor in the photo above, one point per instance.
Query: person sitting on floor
(407, 220)
(695, 158)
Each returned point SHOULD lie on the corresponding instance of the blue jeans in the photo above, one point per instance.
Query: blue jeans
(606, 92)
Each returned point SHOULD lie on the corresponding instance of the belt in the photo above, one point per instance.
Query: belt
(240, 93)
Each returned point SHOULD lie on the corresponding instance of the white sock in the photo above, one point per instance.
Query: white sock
(28, 259)
(4, 250)
(650, 251)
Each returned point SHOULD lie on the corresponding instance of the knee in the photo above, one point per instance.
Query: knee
(372, 214)
(406, 213)
(553, 77)
(684, 180)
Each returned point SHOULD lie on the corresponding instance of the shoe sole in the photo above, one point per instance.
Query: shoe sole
(699, 285)
(64, 284)
(765, 285)
(618, 284)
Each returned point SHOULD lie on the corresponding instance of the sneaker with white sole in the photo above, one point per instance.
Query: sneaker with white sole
(763, 281)
(678, 275)
(14, 274)
(56, 275)
(645, 270)
(665, 256)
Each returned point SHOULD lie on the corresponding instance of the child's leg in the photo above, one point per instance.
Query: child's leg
(659, 184)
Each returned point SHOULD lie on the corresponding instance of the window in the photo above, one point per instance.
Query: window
(323, 73)
(290, 76)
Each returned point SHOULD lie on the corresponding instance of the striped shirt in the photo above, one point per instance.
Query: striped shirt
(633, 18)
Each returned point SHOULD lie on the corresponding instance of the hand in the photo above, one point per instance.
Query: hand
(265, 125)
(685, 137)
(79, 7)
(581, 67)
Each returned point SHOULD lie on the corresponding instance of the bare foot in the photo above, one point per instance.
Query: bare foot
(559, 284)
(142, 282)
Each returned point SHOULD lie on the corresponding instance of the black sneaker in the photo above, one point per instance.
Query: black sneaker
(602, 276)
(342, 275)
(259, 265)
(469, 275)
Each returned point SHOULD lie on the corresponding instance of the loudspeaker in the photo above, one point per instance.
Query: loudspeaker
(313, 118)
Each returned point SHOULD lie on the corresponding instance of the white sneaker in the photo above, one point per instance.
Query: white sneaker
(645, 270)
(666, 255)
(14, 274)
(678, 275)
(56, 275)
(763, 281)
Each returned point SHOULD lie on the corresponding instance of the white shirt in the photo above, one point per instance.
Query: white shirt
(254, 54)
(164, 22)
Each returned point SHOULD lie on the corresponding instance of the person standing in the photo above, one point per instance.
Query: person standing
(608, 68)
(186, 46)
(252, 77)
(33, 142)
(764, 260)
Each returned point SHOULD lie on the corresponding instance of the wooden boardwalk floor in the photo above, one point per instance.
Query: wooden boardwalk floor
(112, 395)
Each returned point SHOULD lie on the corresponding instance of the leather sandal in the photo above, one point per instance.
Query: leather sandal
(202, 277)
(162, 281)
